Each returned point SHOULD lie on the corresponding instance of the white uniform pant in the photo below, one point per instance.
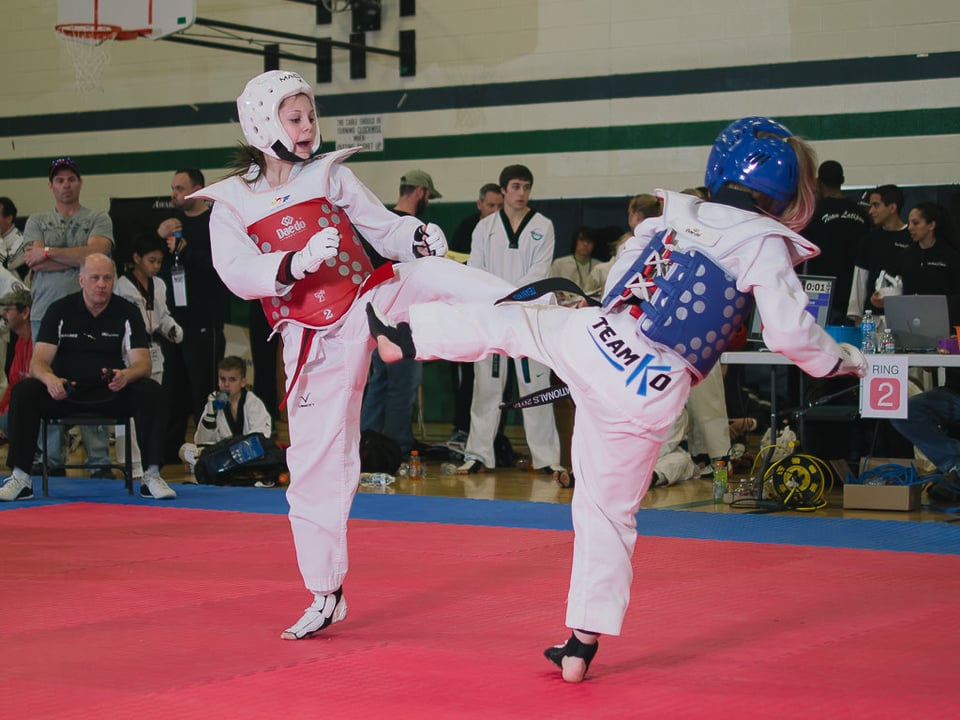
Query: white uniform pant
(623, 416)
(674, 462)
(323, 408)
(709, 429)
(539, 425)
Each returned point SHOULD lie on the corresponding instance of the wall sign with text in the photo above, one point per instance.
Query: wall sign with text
(364, 131)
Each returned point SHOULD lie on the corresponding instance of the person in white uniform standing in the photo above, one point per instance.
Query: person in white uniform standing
(281, 231)
(677, 293)
(515, 244)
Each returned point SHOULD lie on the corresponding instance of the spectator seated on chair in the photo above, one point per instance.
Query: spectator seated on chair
(77, 366)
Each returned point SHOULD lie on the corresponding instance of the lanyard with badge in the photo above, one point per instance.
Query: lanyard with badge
(178, 276)
(146, 292)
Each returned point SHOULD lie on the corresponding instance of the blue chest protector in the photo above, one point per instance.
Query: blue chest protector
(685, 301)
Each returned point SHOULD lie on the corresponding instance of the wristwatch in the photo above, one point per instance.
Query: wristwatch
(46, 252)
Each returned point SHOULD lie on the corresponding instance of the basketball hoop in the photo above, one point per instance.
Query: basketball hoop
(87, 48)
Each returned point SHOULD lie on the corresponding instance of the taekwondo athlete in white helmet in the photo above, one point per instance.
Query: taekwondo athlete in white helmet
(679, 289)
(282, 232)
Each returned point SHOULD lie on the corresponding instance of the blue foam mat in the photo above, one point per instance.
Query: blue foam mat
(905, 536)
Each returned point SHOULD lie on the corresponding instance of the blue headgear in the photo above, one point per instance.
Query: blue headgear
(766, 164)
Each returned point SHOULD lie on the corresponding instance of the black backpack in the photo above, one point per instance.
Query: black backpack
(378, 453)
(241, 461)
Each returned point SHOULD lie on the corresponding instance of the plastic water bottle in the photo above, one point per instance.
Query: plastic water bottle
(414, 468)
(887, 343)
(868, 333)
(720, 484)
(448, 468)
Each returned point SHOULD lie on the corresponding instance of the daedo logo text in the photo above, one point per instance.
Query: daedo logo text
(290, 226)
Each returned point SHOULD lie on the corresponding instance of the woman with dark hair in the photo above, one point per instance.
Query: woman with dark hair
(576, 266)
(931, 264)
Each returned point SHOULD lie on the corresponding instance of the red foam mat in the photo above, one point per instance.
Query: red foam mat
(128, 612)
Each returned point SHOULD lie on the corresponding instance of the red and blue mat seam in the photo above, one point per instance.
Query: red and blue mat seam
(902, 536)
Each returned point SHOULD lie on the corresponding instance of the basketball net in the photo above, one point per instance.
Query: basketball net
(89, 52)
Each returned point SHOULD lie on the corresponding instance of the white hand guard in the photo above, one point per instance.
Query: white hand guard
(175, 334)
(852, 362)
(429, 240)
(320, 248)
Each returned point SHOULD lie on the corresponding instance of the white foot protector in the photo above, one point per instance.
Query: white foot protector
(324, 612)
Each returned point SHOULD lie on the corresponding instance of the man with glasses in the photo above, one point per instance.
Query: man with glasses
(55, 244)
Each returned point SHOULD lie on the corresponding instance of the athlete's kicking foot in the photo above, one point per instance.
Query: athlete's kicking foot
(574, 656)
(393, 342)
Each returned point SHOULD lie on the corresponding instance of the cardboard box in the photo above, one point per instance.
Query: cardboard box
(881, 497)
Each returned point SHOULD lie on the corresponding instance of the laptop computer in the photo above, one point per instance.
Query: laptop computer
(917, 321)
(819, 290)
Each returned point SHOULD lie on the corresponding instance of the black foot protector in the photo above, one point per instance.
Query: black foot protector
(401, 336)
(572, 648)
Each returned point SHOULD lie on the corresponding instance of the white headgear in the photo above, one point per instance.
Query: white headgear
(258, 109)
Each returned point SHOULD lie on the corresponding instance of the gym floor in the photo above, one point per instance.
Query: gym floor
(517, 484)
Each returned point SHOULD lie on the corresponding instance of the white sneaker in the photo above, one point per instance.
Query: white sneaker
(14, 488)
(325, 611)
(188, 453)
(156, 487)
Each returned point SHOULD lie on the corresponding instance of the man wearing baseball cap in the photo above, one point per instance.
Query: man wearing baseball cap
(57, 241)
(392, 389)
(55, 244)
(416, 192)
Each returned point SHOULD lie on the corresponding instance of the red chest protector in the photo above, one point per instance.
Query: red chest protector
(320, 299)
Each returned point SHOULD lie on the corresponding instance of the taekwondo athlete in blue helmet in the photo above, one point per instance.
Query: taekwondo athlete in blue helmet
(678, 291)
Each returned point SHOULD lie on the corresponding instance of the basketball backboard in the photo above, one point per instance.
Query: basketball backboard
(151, 19)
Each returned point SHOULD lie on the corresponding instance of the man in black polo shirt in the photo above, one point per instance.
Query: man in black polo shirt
(78, 365)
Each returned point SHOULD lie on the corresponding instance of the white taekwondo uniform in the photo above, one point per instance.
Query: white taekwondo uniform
(326, 341)
(519, 258)
(630, 380)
